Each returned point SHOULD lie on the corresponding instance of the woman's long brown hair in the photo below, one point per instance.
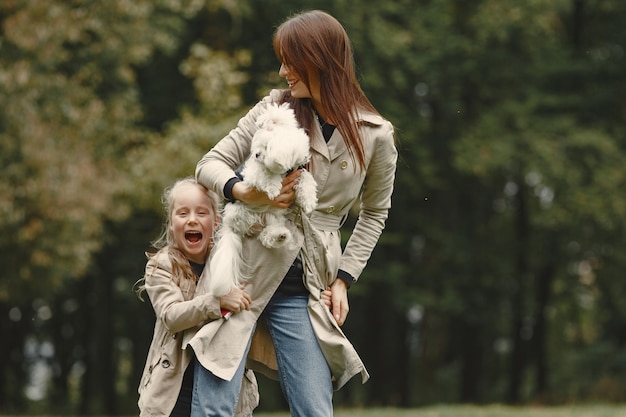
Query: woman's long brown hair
(316, 41)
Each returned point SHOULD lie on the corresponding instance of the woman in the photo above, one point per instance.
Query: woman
(298, 338)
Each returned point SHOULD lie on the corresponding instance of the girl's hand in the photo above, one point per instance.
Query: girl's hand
(325, 297)
(252, 196)
(236, 300)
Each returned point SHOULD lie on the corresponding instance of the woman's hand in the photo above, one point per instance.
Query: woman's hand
(339, 301)
(252, 196)
(236, 300)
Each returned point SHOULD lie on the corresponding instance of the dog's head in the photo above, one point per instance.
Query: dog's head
(258, 148)
(279, 144)
(288, 149)
(277, 115)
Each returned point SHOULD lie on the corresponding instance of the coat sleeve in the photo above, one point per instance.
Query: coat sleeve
(168, 301)
(218, 165)
(375, 201)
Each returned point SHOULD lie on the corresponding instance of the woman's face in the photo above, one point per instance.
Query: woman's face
(192, 222)
(297, 86)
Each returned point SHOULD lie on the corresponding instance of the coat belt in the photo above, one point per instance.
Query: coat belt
(319, 220)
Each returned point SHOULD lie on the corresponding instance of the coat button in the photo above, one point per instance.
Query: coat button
(165, 363)
(344, 164)
(330, 210)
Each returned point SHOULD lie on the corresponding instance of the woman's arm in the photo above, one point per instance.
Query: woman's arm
(375, 202)
(218, 165)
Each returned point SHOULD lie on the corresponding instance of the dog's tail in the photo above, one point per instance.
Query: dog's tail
(226, 263)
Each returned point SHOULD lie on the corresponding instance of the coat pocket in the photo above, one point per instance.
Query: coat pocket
(158, 359)
(147, 377)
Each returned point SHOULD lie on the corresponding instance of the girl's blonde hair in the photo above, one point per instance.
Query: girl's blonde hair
(316, 41)
(183, 274)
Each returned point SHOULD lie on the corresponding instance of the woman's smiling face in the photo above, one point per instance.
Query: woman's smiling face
(298, 87)
(193, 221)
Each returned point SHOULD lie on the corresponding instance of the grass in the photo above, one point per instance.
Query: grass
(480, 411)
(472, 411)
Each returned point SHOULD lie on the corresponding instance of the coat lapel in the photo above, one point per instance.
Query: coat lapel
(336, 145)
(331, 150)
(317, 142)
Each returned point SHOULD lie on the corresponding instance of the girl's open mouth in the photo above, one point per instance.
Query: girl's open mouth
(193, 237)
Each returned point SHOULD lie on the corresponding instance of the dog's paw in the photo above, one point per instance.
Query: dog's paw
(272, 191)
(306, 192)
(274, 237)
(308, 204)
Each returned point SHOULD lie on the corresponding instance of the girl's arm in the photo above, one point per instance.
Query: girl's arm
(168, 301)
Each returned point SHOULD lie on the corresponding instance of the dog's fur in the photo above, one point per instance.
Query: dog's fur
(278, 147)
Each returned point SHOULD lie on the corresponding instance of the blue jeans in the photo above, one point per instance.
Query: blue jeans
(213, 396)
(304, 375)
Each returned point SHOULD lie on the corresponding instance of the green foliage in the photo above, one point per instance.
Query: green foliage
(499, 277)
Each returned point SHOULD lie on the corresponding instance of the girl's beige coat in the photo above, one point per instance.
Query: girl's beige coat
(166, 363)
(220, 344)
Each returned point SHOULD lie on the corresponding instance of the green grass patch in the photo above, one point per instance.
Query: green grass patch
(480, 411)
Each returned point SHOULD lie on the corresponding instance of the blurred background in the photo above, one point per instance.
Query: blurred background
(500, 275)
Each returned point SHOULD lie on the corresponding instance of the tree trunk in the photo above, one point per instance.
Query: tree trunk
(578, 17)
(540, 333)
(518, 358)
(98, 385)
(472, 355)
(12, 378)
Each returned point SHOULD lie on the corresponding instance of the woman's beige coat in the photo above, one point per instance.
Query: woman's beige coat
(176, 311)
(219, 345)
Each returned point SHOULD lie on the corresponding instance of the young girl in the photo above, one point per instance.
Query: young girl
(170, 280)
(297, 338)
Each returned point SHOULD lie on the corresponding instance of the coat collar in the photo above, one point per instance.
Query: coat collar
(336, 145)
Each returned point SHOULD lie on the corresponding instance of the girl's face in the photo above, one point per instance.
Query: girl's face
(297, 86)
(192, 222)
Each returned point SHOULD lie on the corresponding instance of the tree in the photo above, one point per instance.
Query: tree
(71, 112)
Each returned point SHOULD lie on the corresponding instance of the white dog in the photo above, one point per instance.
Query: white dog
(277, 148)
